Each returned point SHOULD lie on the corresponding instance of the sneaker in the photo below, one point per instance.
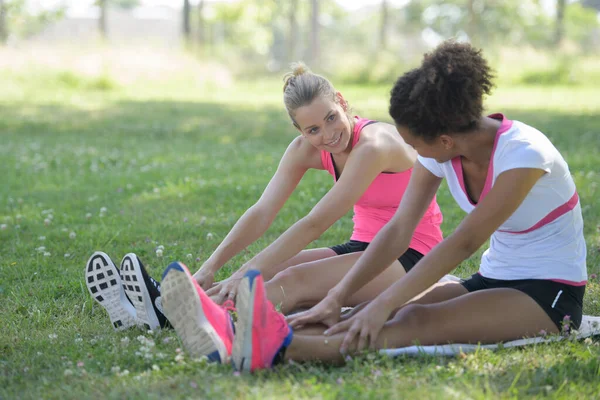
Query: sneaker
(205, 328)
(262, 334)
(104, 284)
(144, 292)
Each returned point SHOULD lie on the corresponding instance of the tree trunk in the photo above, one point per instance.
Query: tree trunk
(472, 23)
(186, 21)
(201, 25)
(560, 17)
(3, 27)
(384, 25)
(314, 33)
(102, 20)
(291, 53)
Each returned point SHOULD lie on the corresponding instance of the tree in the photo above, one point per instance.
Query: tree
(560, 21)
(126, 4)
(19, 21)
(3, 27)
(314, 32)
(103, 4)
(384, 25)
(201, 24)
(187, 29)
(293, 30)
(595, 4)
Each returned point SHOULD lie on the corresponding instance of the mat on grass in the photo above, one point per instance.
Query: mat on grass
(590, 326)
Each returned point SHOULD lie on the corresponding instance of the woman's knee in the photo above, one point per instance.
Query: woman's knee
(414, 316)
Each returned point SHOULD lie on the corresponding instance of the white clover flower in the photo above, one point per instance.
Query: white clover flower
(78, 340)
(19, 217)
(72, 235)
(209, 236)
(20, 200)
(115, 370)
(42, 238)
(68, 372)
(47, 254)
(161, 247)
(3, 227)
(179, 358)
(50, 217)
(53, 336)
(67, 255)
(189, 256)
(156, 190)
(155, 367)
(125, 341)
(159, 253)
(41, 249)
(47, 221)
(103, 209)
(88, 215)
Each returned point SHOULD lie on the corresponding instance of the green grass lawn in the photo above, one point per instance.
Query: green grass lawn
(175, 164)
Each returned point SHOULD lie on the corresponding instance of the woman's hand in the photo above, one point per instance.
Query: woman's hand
(205, 278)
(327, 312)
(225, 289)
(363, 327)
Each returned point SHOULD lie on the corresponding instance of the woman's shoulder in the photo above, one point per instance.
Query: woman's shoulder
(304, 153)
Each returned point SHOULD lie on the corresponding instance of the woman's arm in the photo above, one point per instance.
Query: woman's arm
(389, 243)
(362, 167)
(507, 194)
(298, 158)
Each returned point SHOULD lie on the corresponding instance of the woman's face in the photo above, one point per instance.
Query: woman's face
(440, 149)
(325, 124)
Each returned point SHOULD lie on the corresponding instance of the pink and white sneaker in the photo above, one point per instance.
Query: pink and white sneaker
(262, 334)
(205, 328)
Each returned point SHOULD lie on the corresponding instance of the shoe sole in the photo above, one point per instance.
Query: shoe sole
(137, 291)
(242, 343)
(183, 308)
(104, 284)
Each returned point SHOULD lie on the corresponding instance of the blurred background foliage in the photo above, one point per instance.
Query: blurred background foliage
(369, 42)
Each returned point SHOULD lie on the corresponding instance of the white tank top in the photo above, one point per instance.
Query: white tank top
(543, 238)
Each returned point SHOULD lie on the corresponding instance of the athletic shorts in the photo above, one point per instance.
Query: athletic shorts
(408, 259)
(556, 299)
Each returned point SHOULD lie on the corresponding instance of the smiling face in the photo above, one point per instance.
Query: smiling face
(325, 124)
(442, 148)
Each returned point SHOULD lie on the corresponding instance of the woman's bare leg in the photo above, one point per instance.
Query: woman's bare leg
(485, 316)
(303, 257)
(306, 284)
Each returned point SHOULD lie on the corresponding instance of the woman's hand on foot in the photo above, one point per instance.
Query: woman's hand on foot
(362, 329)
(327, 312)
(205, 278)
(225, 290)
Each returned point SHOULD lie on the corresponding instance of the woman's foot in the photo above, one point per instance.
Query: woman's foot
(144, 292)
(205, 327)
(262, 334)
(104, 284)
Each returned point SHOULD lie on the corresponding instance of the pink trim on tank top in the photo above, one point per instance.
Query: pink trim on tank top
(457, 161)
(552, 215)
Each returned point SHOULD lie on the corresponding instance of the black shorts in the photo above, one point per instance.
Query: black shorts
(408, 259)
(556, 299)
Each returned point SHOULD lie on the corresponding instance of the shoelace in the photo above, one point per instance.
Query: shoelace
(228, 305)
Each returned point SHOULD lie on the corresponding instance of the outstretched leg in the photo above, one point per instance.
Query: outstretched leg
(485, 316)
(306, 284)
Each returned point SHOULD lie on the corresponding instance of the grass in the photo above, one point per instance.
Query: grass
(175, 164)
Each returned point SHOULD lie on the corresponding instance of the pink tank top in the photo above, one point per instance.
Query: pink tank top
(380, 201)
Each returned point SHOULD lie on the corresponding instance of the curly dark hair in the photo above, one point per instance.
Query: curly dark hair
(445, 94)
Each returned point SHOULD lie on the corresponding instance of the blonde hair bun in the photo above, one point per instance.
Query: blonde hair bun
(298, 68)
